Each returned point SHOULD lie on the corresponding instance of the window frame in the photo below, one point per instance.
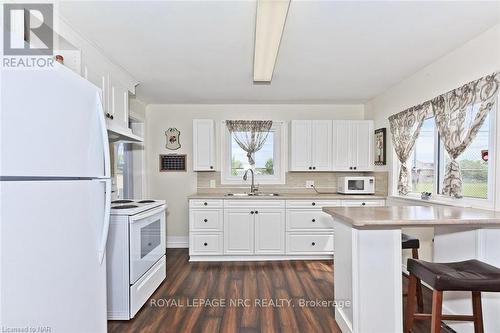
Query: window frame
(279, 161)
(493, 199)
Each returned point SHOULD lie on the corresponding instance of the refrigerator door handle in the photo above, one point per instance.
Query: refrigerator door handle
(105, 226)
(104, 134)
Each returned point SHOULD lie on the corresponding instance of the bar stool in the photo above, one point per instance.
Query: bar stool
(471, 275)
(409, 242)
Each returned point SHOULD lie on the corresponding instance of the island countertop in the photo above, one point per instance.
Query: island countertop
(290, 196)
(414, 216)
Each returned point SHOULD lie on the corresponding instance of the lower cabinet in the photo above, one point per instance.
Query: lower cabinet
(260, 229)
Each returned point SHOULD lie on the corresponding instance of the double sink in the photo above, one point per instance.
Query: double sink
(252, 194)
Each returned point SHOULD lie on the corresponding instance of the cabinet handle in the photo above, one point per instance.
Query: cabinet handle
(256, 212)
(350, 168)
(205, 203)
(112, 117)
(314, 204)
(205, 244)
(363, 204)
(314, 220)
(205, 220)
(313, 244)
(310, 168)
(211, 167)
(252, 212)
(354, 168)
(314, 168)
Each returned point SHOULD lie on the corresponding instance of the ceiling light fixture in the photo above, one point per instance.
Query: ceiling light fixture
(269, 26)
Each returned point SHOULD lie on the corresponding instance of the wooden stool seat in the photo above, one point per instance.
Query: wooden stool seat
(409, 242)
(471, 275)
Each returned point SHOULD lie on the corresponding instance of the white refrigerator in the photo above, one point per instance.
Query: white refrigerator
(54, 202)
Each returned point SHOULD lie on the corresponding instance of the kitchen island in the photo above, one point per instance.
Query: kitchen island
(368, 261)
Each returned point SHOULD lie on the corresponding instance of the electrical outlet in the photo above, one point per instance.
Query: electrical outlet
(309, 183)
(212, 183)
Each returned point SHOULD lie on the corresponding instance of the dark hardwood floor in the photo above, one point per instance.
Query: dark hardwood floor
(250, 282)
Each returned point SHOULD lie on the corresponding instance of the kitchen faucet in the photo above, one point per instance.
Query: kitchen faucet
(253, 188)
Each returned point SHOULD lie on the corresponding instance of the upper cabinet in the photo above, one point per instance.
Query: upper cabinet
(352, 145)
(311, 145)
(203, 145)
(118, 104)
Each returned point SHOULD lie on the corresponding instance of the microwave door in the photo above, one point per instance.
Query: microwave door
(356, 185)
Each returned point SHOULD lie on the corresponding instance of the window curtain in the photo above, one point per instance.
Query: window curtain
(456, 130)
(250, 135)
(405, 128)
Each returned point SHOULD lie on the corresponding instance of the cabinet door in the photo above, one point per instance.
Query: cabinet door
(342, 145)
(203, 145)
(100, 79)
(300, 145)
(321, 145)
(269, 231)
(119, 104)
(362, 147)
(238, 231)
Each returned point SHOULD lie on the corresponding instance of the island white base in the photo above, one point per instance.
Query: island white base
(367, 273)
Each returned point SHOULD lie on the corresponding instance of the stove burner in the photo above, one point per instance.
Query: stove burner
(121, 201)
(146, 201)
(125, 207)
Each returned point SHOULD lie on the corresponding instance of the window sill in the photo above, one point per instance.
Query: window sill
(463, 203)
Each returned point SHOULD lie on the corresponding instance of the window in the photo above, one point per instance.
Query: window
(427, 163)
(268, 160)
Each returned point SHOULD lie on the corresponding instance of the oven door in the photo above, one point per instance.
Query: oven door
(147, 241)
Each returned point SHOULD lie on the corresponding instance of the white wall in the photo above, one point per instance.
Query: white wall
(478, 57)
(175, 187)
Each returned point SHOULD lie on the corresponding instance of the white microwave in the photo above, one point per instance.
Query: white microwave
(356, 185)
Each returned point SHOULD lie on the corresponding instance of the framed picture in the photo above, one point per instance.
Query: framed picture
(380, 146)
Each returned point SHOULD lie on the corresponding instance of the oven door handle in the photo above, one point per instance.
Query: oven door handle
(145, 215)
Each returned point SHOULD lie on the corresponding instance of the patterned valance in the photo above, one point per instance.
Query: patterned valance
(249, 125)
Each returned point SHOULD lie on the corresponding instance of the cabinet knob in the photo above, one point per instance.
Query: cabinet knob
(314, 204)
(310, 168)
(354, 168)
(350, 168)
(256, 212)
(314, 220)
(314, 168)
(112, 117)
(211, 167)
(205, 244)
(363, 204)
(205, 203)
(205, 220)
(252, 212)
(313, 244)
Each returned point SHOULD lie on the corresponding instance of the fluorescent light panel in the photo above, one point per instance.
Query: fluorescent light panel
(269, 26)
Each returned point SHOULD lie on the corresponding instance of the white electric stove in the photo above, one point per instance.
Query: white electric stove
(136, 254)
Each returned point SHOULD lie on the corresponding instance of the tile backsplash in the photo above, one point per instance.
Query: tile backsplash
(295, 182)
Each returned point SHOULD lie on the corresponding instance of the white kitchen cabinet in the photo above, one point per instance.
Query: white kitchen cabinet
(352, 145)
(239, 231)
(203, 145)
(100, 79)
(269, 231)
(118, 104)
(311, 145)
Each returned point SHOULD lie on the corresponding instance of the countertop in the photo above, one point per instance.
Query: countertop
(290, 196)
(414, 216)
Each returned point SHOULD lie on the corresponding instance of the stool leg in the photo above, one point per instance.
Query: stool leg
(437, 308)
(420, 298)
(410, 303)
(478, 312)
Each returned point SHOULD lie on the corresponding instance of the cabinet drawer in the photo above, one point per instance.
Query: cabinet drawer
(205, 244)
(206, 220)
(310, 243)
(360, 203)
(254, 203)
(308, 220)
(312, 203)
(209, 203)
(146, 285)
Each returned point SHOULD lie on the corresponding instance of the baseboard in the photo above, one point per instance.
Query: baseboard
(177, 242)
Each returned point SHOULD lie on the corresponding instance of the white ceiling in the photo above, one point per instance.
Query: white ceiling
(331, 52)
